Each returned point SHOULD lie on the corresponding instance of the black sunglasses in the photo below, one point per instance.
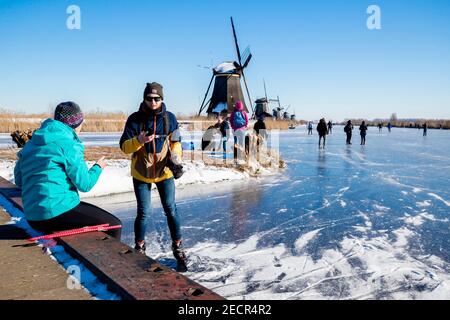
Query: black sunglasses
(157, 99)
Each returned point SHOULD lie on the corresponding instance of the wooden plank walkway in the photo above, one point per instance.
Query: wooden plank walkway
(26, 273)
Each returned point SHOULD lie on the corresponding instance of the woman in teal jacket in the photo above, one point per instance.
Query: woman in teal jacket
(51, 169)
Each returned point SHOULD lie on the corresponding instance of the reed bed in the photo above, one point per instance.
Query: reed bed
(94, 121)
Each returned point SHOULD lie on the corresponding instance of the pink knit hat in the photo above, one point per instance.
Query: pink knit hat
(239, 105)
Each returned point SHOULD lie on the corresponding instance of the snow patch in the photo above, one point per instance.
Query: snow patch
(116, 177)
(439, 198)
(423, 204)
(301, 242)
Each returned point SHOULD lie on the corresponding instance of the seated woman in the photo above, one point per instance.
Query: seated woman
(51, 169)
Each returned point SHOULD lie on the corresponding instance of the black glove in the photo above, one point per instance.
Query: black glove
(177, 169)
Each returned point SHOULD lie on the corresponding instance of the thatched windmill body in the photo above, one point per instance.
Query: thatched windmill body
(227, 88)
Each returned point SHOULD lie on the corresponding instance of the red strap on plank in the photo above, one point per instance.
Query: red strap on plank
(65, 233)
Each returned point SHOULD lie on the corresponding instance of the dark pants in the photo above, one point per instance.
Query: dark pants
(349, 138)
(324, 139)
(224, 147)
(243, 141)
(166, 190)
(363, 139)
(83, 215)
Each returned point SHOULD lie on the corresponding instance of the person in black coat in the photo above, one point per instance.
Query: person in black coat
(348, 130)
(330, 127)
(261, 134)
(322, 129)
(310, 128)
(225, 129)
(363, 132)
(380, 127)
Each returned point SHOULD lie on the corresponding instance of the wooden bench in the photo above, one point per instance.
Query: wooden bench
(131, 275)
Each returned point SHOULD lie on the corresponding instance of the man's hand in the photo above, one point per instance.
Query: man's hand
(101, 162)
(143, 138)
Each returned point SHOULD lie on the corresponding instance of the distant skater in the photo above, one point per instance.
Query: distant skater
(261, 134)
(348, 130)
(425, 129)
(310, 128)
(225, 130)
(389, 126)
(330, 127)
(380, 127)
(363, 132)
(322, 130)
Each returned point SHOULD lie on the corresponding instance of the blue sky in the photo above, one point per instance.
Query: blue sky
(318, 56)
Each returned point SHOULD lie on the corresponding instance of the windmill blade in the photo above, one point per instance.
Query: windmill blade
(246, 57)
(236, 42)
(246, 53)
(248, 92)
(240, 62)
(203, 67)
(247, 61)
(265, 90)
(206, 94)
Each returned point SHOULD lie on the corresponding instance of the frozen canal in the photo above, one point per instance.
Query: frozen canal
(349, 222)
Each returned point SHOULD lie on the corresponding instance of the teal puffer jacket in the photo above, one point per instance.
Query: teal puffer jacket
(51, 169)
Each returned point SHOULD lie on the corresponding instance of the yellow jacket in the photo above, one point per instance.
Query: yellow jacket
(133, 145)
(148, 161)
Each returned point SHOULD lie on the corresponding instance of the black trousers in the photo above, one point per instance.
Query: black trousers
(83, 215)
(349, 138)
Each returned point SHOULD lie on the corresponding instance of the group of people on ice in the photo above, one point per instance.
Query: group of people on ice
(323, 129)
(51, 170)
(235, 126)
(348, 129)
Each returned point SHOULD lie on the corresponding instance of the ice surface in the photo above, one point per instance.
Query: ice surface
(348, 222)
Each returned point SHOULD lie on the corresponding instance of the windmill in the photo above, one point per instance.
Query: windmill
(262, 105)
(286, 115)
(227, 83)
(277, 112)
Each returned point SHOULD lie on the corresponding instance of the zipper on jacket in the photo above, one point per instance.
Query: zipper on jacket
(154, 148)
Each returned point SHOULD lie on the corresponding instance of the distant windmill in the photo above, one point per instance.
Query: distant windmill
(227, 85)
(277, 112)
(286, 115)
(262, 106)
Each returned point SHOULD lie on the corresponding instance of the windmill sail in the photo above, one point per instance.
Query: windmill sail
(227, 88)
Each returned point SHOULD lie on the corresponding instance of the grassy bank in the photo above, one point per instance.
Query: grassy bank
(94, 122)
(110, 122)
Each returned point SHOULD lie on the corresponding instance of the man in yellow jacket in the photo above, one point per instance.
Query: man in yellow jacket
(152, 136)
